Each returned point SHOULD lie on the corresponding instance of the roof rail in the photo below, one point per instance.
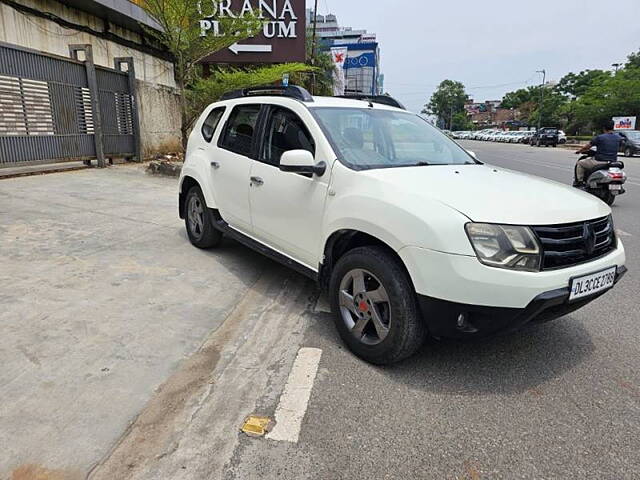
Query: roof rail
(382, 99)
(292, 91)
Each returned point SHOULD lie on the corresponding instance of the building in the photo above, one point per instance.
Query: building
(362, 67)
(490, 114)
(49, 32)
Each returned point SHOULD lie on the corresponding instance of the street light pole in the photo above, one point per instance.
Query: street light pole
(544, 81)
(313, 46)
(616, 66)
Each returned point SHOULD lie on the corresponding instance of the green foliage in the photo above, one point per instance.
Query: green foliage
(633, 60)
(181, 35)
(618, 95)
(461, 121)
(575, 85)
(447, 102)
(222, 80)
(519, 97)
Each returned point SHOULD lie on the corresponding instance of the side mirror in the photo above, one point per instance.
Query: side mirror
(301, 161)
(473, 154)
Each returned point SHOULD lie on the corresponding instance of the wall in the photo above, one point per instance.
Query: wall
(156, 76)
(159, 109)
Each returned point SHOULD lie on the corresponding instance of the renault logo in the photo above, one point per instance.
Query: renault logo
(589, 237)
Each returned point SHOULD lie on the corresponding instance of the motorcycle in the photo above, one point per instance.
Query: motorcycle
(605, 182)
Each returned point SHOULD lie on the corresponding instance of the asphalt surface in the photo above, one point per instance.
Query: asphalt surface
(128, 354)
(561, 400)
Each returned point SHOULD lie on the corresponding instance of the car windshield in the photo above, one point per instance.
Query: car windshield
(369, 138)
(633, 135)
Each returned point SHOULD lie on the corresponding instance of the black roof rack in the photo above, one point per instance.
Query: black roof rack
(382, 99)
(292, 91)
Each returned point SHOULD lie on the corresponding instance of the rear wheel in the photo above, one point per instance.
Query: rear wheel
(374, 305)
(199, 221)
(608, 198)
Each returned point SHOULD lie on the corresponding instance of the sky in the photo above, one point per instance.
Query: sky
(492, 46)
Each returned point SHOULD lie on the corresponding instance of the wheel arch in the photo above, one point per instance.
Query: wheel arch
(341, 242)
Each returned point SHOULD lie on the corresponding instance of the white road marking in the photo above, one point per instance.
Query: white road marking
(295, 397)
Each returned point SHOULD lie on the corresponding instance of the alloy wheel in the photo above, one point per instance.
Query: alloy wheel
(196, 217)
(364, 306)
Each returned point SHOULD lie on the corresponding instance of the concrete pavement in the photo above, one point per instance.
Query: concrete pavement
(193, 341)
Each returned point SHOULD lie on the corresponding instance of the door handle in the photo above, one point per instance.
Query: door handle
(215, 165)
(257, 181)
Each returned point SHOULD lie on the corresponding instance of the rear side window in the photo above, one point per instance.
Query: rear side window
(211, 122)
(240, 129)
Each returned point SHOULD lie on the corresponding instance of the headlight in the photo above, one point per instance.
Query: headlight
(505, 246)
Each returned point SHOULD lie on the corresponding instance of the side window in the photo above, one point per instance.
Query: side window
(211, 122)
(238, 134)
(285, 131)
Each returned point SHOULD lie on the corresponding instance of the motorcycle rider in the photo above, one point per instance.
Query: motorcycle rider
(607, 145)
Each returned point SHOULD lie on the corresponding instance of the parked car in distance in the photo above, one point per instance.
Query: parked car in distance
(630, 144)
(545, 137)
(408, 233)
(562, 137)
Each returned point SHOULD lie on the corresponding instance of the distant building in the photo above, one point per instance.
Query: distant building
(363, 73)
(490, 114)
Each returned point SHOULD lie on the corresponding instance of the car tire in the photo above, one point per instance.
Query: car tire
(199, 221)
(628, 152)
(375, 307)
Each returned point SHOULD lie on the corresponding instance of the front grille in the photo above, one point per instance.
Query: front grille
(575, 243)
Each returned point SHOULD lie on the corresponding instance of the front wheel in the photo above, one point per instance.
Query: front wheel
(199, 221)
(375, 307)
(628, 152)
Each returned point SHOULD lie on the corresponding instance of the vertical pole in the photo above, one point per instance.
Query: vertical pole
(92, 83)
(313, 46)
(135, 116)
(544, 81)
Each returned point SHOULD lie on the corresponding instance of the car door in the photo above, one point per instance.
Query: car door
(231, 165)
(287, 208)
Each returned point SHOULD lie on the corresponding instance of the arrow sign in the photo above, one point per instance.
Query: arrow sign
(236, 48)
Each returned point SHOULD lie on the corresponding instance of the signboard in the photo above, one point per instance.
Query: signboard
(624, 123)
(339, 57)
(361, 61)
(282, 38)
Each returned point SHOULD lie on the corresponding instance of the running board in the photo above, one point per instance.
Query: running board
(269, 252)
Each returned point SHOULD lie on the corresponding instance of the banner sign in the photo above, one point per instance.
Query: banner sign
(282, 38)
(361, 61)
(339, 57)
(624, 123)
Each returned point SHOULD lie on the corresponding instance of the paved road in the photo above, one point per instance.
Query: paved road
(128, 354)
(559, 401)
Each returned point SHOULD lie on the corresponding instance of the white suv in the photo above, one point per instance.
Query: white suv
(409, 233)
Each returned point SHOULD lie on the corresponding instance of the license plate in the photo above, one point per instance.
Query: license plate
(615, 187)
(592, 284)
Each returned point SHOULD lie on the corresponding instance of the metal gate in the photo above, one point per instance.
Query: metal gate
(57, 109)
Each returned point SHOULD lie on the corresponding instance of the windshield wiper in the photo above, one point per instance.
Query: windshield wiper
(422, 164)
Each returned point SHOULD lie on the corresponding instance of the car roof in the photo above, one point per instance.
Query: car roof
(318, 102)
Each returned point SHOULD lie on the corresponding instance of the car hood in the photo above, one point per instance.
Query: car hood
(484, 193)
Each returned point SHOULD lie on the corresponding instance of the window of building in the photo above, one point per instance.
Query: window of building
(211, 123)
(240, 129)
(285, 131)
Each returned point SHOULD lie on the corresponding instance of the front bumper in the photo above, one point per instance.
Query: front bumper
(444, 318)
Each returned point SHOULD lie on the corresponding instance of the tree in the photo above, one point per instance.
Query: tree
(221, 80)
(180, 33)
(519, 97)
(447, 101)
(575, 85)
(633, 60)
(617, 96)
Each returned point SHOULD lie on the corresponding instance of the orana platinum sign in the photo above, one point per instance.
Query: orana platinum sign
(282, 38)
